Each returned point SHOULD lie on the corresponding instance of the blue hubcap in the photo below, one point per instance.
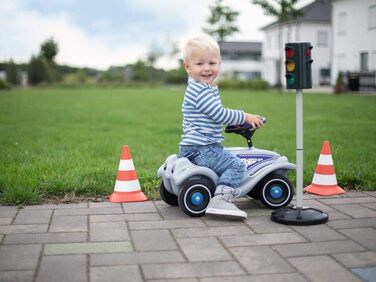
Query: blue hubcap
(276, 192)
(197, 198)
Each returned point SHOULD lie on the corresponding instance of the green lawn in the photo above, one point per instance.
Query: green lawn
(67, 141)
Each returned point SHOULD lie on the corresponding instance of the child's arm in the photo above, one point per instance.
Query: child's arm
(211, 105)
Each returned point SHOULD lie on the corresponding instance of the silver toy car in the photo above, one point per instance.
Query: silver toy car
(191, 187)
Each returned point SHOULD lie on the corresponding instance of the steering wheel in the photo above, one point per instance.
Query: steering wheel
(242, 129)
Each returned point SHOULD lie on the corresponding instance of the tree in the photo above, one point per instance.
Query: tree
(36, 70)
(177, 76)
(49, 50)
(154, 54)
(140, 71)
(151, 58)
(12, 73)
(284, 12)
(221, 21)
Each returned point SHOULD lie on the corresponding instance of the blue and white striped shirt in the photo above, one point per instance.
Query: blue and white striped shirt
(204, 115)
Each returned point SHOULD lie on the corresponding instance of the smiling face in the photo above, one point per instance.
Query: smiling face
(203, 65)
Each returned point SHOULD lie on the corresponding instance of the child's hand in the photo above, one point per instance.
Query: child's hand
(254, 120)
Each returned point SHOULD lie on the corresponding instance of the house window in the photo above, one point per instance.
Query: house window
(322, 38)
(325, 76)
(372, 65)
(241, 56)
(364, 61)
(372, 17)
(341, 25)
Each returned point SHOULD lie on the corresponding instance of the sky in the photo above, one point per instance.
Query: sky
(99, 34)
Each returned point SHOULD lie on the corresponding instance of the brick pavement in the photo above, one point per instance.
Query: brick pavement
(151, 241)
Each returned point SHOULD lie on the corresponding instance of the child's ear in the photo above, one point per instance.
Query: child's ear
(186, 66)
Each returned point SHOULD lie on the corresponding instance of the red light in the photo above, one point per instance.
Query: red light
(290, 52)
(308, 52)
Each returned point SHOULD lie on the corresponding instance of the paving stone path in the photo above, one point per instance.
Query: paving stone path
(151, 241)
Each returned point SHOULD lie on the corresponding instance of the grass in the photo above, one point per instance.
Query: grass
(59, 142)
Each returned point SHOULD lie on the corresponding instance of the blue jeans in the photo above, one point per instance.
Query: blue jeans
(229, 168)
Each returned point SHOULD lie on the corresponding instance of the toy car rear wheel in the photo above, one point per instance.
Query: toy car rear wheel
(167, 197)
(276, 191)
(195, 195)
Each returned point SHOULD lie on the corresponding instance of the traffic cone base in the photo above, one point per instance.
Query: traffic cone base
(124, 197)
(127, 186)
(328, 190)
(324, 180)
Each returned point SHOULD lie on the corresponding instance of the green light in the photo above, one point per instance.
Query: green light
(290, 79)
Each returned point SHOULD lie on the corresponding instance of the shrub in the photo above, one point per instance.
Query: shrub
(340, 84)
(230, 84)
(178, 76)
(257, 84)
(4, 85)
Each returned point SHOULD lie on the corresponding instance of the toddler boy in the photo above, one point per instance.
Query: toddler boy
(203, 118)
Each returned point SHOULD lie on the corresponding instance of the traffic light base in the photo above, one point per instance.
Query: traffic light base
(299, 216)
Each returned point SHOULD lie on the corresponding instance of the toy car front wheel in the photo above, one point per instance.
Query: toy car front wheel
(276, 191)
(195, 195)
(167, 197)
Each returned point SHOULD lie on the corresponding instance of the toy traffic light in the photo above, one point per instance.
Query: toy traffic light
(298, 65)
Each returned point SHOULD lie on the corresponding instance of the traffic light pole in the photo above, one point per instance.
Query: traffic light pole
(299, 76)
(299, 150)
(299, 215)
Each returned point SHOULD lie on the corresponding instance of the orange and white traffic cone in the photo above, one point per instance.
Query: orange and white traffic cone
(324, 180)
(127, 186)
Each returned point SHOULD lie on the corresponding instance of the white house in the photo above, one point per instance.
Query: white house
(313, 26)
(3, 75)
(241, 60)
(354, 36)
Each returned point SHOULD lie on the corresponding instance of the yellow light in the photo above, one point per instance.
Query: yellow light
(290, 66)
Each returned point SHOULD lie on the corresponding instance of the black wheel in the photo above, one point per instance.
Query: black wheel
(276, 191)
(167, 197)
(195, 195)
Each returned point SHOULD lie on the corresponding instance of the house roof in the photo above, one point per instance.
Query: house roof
(318, 11)
(240, 47)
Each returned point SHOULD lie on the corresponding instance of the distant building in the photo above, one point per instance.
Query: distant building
(24, 81)
(354, 37)
(3, 75)
(241, 60)
(313, 26)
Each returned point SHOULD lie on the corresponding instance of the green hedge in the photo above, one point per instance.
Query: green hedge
(257, 84)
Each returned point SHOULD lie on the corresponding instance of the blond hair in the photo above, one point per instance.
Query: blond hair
(204, 43)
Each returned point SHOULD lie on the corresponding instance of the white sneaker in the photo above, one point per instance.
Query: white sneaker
(222, 205)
